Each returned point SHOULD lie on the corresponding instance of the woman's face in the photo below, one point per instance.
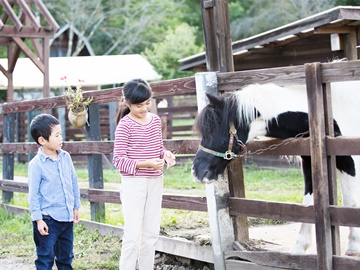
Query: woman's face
(140, 110)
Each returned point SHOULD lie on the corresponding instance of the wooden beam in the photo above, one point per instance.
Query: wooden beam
(223, 36)
(30, 54)
(209, 30)
(333, 30)
(25, 8)
(319, 166)
(47, 15)
(12, 15)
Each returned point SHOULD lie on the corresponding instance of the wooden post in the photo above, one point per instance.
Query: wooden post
(350, 50)
(207, 10)
(331, 162)
(8, 159)
(319, 165)
(95, 168)
(217, 194)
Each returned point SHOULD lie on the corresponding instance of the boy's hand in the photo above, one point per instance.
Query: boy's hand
(76, 216)
(169, 159)
(42, 227)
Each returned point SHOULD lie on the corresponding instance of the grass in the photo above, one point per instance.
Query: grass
(102, 252)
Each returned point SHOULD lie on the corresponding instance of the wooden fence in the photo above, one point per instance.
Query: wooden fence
(321, 146)
(237, 207)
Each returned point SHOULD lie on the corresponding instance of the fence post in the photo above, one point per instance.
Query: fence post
(95, 168)
(319, 166)
(217, 194)
(8, 159)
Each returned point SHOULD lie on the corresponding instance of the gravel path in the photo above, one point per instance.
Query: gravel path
(15, 263)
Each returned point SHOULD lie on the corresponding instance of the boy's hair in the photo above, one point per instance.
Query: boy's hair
(42, 125)
(134, 92)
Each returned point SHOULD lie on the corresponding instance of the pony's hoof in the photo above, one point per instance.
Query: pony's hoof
(353, 253)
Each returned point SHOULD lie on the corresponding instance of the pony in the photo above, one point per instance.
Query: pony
(229, 121)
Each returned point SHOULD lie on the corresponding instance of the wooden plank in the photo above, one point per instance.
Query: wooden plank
(182, 146)
(232, 81)
(341, 263)
(181, 86)
(319, 165)
(243, 265)
(340, 71)
(275, 259)
(14, 186)
(293, 75)
(336, 146)
(272, 210)
(345, 216)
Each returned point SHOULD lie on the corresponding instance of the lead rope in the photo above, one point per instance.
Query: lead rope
(248, 154)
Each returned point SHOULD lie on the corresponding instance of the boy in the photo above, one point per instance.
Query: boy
(54, 197)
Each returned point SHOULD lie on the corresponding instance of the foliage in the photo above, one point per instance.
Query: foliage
(177, 43)
(263, 15)
(114, 26)
(75, 99)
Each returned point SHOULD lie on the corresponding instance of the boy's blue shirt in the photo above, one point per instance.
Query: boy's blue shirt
(53, 187)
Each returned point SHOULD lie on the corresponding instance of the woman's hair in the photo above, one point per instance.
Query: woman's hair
(134, 92)
(42, 125)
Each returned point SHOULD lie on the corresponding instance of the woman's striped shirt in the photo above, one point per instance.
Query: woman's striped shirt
(136, 142)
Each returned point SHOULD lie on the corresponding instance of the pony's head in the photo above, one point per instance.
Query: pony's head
(219, 142)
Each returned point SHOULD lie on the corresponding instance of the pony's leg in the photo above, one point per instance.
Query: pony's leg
(350, 193)
(304, 239)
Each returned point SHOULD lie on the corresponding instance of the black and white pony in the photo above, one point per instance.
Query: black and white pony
(274, 111)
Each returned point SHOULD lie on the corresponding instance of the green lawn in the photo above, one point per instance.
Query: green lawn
(98, 252)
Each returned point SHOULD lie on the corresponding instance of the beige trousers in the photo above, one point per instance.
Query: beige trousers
(141, 204)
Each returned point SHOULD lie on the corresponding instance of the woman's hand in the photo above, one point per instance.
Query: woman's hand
(169, 159)
(156, 163)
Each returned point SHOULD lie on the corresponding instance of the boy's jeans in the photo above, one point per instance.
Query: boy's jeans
(58, 245)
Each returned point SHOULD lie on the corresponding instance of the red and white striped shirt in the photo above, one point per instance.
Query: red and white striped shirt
(136, 142)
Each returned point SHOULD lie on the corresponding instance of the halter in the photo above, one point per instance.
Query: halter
(228, 155)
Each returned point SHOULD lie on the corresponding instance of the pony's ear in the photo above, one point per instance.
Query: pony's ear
(213, 100)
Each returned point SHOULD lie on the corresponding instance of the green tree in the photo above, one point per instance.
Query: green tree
(348, 2)
(114, 26)
(177, 43)
(263, 15)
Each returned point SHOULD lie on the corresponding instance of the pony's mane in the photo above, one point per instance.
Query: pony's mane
(211, 117)
(257, 99)
(243, 106)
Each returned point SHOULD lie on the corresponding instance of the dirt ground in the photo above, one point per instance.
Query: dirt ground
(274, 237)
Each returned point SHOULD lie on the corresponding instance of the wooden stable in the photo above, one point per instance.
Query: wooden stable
(323, 37)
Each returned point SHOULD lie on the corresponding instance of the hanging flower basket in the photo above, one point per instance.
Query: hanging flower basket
(77, 105)
(78, 119)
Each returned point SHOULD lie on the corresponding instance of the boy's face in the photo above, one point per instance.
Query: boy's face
(55, 140)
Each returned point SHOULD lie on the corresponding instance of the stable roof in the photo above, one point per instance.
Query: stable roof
(323, 37)
(91, 70)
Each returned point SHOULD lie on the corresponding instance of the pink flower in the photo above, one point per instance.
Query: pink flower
(63, 78)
